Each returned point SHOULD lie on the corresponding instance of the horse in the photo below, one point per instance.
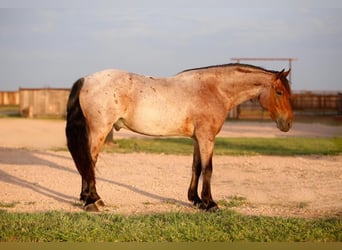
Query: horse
(193, 103)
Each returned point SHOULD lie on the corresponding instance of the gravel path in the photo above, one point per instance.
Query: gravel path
(34, 178)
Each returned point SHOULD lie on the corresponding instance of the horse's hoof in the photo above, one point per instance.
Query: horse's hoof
(197, 202)
(91, 208)
(99, 203)
(212, 209)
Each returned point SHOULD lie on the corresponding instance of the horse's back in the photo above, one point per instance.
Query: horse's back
(103, 77)
(144, 104)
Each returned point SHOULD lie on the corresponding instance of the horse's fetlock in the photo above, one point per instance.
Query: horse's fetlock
(212, 206)
(208, 205)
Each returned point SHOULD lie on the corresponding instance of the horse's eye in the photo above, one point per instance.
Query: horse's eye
(279, 92)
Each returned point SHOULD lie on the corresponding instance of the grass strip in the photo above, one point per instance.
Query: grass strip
(224, 225)
(233, 146)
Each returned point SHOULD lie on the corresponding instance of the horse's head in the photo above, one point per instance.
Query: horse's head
(276, 100)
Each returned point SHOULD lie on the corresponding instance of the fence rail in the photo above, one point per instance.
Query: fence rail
(303, 103)
(323, 103)
(9, 98)
(43, 102)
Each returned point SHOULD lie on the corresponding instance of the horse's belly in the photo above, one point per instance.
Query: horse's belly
(159, 123)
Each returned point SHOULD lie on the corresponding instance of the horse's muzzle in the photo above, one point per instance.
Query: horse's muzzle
(284, 124)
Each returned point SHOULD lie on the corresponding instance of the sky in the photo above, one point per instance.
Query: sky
(52, 47)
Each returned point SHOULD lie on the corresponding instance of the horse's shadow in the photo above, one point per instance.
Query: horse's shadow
(23, 157)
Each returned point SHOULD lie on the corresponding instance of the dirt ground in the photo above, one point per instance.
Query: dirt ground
(35, 177)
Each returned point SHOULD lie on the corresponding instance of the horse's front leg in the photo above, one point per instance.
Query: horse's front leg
(207, 200)
(196, 172)
(206, 147)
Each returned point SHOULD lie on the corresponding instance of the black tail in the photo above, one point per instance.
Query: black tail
(77, 134)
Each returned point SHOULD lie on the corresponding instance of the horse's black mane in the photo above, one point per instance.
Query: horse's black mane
(230, 65)
(284, 81)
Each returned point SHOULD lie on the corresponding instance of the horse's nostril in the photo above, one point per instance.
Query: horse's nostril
(284, 125)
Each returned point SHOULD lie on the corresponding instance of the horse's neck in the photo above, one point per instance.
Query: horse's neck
(240, 87)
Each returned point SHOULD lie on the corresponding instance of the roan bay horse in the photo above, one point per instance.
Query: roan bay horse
(193, 103)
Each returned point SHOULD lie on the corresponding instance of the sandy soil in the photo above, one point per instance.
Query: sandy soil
(35, 178)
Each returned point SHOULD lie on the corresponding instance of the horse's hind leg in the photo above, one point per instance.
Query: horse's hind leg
(96, 140)
(88, 193)
(77, 134)
(78, 144)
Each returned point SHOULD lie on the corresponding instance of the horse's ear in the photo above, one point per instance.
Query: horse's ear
(283, 74)
(280, 74)
(286, 73)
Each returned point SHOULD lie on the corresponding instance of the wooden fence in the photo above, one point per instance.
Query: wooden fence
(9, 98)
(52, 102)
(43, 102)
(303, 103)
(322, 103)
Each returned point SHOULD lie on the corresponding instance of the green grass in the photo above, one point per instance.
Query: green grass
(234, 146)
(224, 225)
